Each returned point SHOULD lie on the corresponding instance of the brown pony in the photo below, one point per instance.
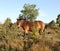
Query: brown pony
(27, 25)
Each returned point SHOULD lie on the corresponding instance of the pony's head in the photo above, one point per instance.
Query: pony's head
(19, 22)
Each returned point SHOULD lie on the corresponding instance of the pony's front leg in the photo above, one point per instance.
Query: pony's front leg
(26, 31)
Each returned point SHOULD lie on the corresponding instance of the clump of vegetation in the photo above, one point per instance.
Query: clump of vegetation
(52, 24)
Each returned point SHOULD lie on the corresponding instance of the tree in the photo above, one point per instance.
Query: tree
(58, 20)
(8, 22)
(29, 12)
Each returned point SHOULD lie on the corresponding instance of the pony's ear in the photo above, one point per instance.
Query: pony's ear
(18, 19)
(21, 19)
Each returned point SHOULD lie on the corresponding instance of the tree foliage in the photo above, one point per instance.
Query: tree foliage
(29, 12)
(58, 20)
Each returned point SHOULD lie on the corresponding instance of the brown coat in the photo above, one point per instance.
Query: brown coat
(27, 25)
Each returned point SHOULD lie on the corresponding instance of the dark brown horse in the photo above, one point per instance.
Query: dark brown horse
(27, 25)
